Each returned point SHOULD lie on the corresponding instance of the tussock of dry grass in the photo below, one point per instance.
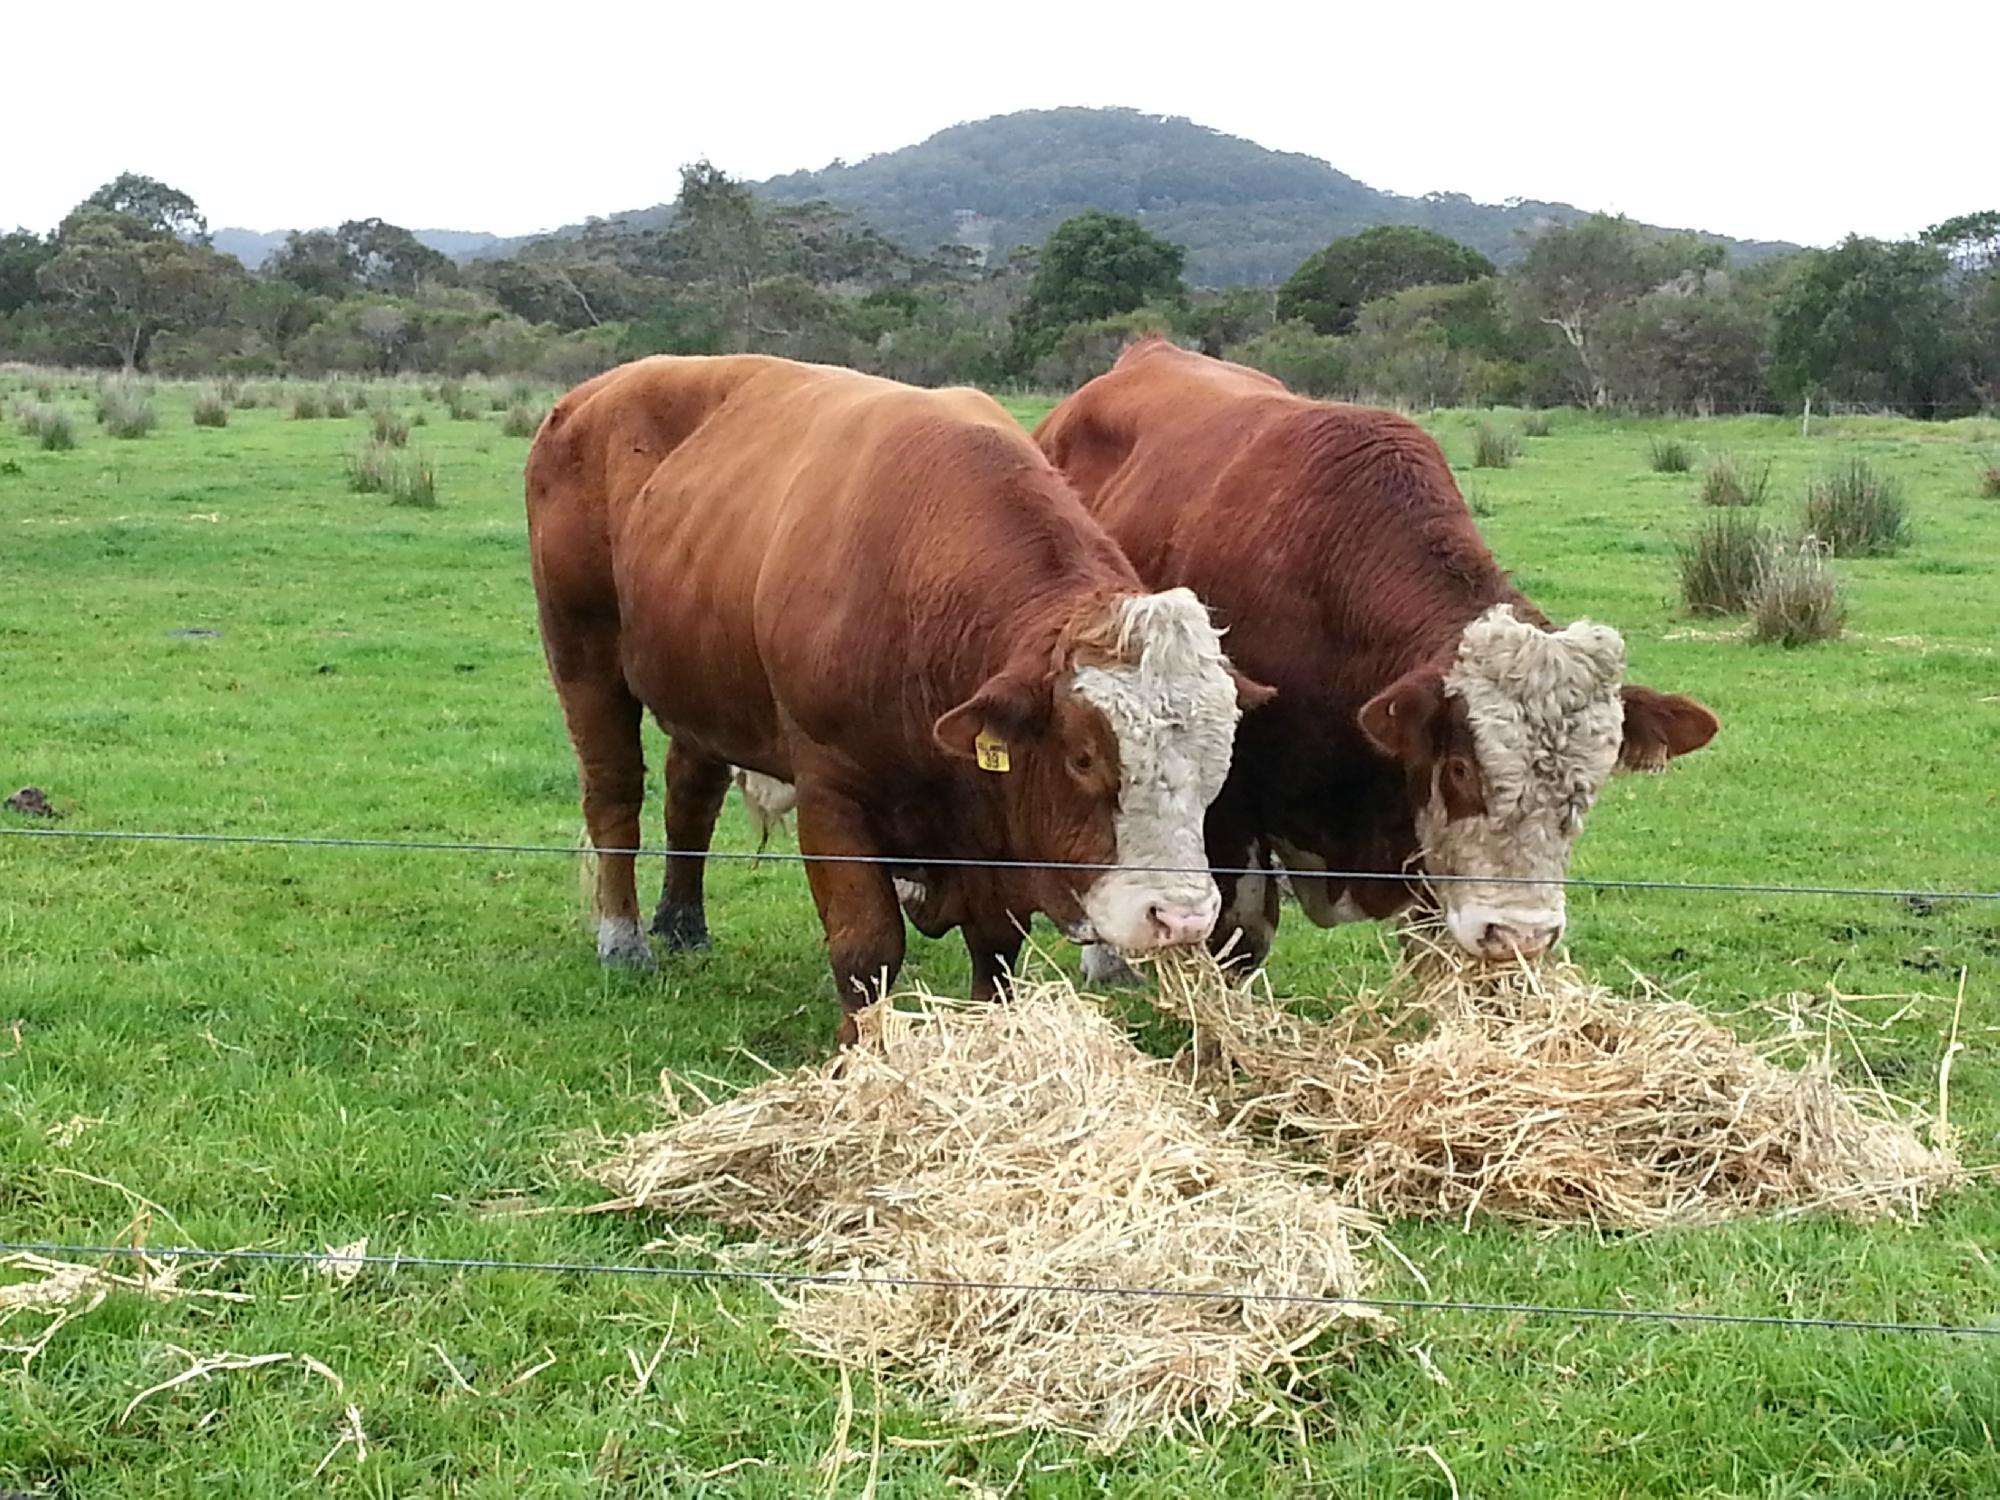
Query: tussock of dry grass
(1537, 1094)
(1020, 1143)
(61, 1291)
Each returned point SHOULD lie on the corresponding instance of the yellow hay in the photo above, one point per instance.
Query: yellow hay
(1020, 1143)
(1534, 1093)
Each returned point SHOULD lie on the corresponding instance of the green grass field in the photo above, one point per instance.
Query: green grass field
(294, 1048)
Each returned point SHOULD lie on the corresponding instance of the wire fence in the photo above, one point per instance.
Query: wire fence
(724, 1274)
(1912, 894)
(341, 1260)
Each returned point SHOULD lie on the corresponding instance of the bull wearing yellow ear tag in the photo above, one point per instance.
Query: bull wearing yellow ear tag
(991, 751)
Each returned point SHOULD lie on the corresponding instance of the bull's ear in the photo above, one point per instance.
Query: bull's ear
(1659, 726)
(1250, 693)
(1398, 719)
(1007, 707)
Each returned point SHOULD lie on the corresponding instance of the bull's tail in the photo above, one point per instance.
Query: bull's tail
(767, 800)
(586, 876)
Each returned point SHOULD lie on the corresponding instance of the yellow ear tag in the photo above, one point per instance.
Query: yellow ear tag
(992, 752)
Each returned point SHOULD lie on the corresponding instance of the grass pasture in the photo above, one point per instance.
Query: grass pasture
(204, 629)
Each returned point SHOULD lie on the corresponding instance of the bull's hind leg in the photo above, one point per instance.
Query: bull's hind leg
(856, 900)
(696, 787)
(604, 719)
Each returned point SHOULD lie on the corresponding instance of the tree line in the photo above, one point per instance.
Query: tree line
(1599, 312)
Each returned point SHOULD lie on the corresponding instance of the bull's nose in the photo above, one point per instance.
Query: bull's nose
(1175, 923)
(1504, 940)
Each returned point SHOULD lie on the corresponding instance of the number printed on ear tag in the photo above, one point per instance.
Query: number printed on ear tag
(992, 752)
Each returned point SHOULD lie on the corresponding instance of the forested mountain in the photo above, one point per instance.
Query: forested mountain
(1247, 215)
(255, 246)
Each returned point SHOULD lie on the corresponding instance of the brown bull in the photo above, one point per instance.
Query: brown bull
(888, 598)
(1428, 718)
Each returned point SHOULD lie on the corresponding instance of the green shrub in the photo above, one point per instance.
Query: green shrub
(1852, 511)
(415, 483)
(1493, 447)
(1477, 500)
(388, 426)
(51, 426)
(211, 409)
(249, 397)
(1726, 481)
(45, 389)
(460, 404)
(378, 468)
(127, 412)
(371, 469)
(337, 402)
(1989, 479)
(1536, 424)
(1797, 599)
(1722, 562)
(1671, 456)
(521, 421)
(307, 406)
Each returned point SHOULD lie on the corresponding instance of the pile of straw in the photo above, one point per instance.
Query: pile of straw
(1025, 1143)
(1533, 1093)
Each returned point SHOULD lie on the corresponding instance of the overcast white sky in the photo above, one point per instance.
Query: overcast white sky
(1759, 120)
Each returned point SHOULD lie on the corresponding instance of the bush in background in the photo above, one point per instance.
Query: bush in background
(1797, 599)
(1853, 511)
(1493, 447)
(211, 409)
(388, 426)
(460, 403)
(126, 411)
(1723, 561)
(1728, 481)
(378, 468)
(50, 426)
(1671, 456)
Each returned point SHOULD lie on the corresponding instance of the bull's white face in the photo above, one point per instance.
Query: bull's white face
(1506, 750)
(1546, 719)
(1172, 705)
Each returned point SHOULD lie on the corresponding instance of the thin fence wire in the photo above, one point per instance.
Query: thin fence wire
(341, 1259)
(911, 862)
(808, 1278)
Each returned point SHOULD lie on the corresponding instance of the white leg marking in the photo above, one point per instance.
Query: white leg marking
(621, 944)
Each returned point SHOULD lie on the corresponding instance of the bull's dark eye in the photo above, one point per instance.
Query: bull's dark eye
(1082, 762)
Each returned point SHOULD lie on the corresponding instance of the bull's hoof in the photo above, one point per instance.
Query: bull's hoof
(621, 945)
(681, 929)
(1103, 966)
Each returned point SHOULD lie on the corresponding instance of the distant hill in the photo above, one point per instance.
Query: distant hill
(1247, 215)
(253, 246)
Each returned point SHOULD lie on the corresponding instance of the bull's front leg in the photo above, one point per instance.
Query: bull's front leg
(1248, 923)
(994, 943)
(856, 899)
(1248, 926)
